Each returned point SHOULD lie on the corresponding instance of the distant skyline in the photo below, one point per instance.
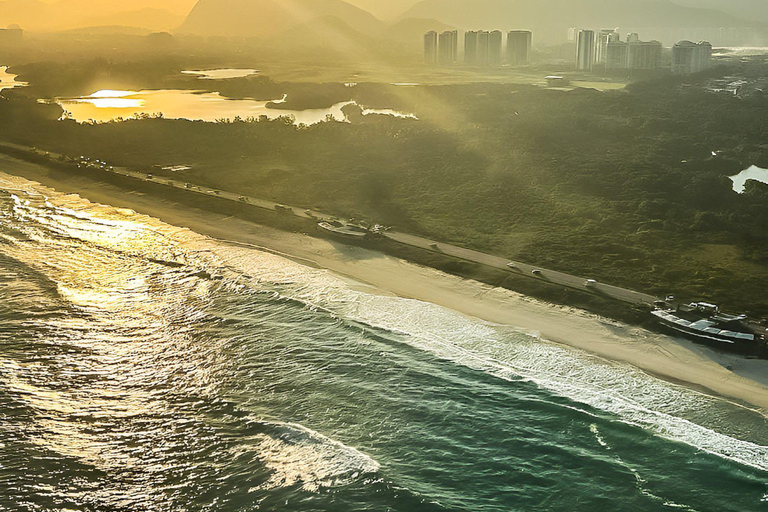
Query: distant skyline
(547, 18)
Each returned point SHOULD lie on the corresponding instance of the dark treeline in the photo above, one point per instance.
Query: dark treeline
(620, 186)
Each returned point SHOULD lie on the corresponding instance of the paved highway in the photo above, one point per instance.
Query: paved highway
(551, 276)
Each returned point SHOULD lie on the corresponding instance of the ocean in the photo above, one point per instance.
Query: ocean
(144, 367)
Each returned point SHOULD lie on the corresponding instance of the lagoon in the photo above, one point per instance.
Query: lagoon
(221, 74)
(8, 80)
(753, 173)
(110, 105)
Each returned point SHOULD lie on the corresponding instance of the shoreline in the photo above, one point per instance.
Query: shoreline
(672, 359)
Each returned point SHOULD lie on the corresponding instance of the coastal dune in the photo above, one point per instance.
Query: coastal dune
(676, 360)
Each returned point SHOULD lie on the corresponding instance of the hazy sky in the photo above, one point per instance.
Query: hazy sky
(176, 6)
(381, 8)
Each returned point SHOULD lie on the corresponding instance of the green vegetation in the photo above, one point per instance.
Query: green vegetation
(620, 186)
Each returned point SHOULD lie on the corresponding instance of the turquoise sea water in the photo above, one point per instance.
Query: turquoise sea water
(146, 368)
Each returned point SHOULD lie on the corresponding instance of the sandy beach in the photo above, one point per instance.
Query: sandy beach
(672, 359)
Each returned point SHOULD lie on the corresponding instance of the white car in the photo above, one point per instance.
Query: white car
(590, 282)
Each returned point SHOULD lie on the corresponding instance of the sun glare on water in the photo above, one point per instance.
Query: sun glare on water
(109, 98)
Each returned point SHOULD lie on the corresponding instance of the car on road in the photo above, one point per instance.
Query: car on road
(511, 265)
(536, 272)
(590, 282)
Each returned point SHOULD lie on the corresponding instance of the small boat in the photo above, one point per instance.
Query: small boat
(345, 230)
(705, 322)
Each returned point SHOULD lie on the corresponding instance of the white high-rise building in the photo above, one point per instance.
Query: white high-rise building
(604, 37)
(633, 55)
(495, 45)
(430, 47)
(688, 57)
(519, 47)
(447, 53)
(585, 50)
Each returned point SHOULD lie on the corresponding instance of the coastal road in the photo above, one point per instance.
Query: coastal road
(526, 269)
(550, 276)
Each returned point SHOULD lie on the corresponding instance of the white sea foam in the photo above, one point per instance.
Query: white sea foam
(297, 455)
(668, 410)
(663, 408)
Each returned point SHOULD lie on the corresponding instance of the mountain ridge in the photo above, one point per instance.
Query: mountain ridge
(267, 18)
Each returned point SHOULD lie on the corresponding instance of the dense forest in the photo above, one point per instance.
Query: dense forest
(629, 187)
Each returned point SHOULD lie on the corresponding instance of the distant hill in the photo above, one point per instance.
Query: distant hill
(267, 18)
(325, 34)
(384, 9)
(413, 29)
(549, 19)
(70, 14)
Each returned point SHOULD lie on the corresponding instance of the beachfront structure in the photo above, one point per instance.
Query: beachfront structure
(430, 47)
(448, 47)
(689, 57)
(519, 47)
(585, 50)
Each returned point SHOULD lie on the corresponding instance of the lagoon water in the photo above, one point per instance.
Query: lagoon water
(147, 368)
(109, 105)
(221, 74)
(753, 173)
(8, 80)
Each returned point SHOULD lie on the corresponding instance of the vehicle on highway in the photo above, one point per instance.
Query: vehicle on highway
(511, 265)
(590, 283)
(536, 272)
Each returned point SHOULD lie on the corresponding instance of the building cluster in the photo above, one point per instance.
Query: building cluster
(11, 35)
(607, 49)
(481, 48)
